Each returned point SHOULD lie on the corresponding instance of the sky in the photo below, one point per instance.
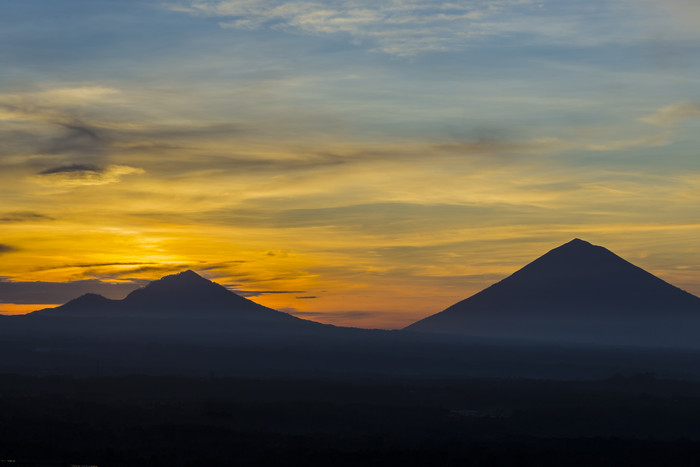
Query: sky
(354, 162)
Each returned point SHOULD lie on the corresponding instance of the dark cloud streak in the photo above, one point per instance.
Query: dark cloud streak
(24, 216)
(257, 293)
(6, 248)
(83, 141)
(90, 265)
(79, 139)
(72, 168)
(80, 129)
(124, 273)
(355, 314)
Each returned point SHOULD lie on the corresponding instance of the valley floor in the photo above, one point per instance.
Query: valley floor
(635, 420)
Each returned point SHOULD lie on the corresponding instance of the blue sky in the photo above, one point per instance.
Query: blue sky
(387, 159)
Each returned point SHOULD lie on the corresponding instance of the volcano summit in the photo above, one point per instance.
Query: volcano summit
(577, 292)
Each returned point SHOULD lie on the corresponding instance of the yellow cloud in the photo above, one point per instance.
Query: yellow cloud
(660, 139)
(673, 115)
(61, 97)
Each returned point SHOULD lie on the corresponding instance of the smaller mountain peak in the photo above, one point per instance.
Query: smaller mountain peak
(91, 297)
(188, 276)
(86, 302)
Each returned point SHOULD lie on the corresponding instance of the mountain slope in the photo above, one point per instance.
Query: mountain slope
(576, 292)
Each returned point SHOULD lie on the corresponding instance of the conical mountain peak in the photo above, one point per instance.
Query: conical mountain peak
(579, 272)
(91, 298)
(575, 289)
(580, 247)
(577, 262)
(577, 243)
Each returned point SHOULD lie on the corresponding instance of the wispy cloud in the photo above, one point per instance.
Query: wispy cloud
(57, 107)
(257, 293)
(660, 139)
(29, 104)
(131, 271)
(397, 27)
(670, 19)
(85, 175)
(54, 122)
(410, 27)
(673, 115)
(92, 265)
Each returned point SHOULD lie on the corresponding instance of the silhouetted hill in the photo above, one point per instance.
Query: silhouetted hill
(184, 304)
(576, 292)
(183, 294)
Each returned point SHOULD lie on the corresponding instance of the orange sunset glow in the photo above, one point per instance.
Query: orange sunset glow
(358, 173)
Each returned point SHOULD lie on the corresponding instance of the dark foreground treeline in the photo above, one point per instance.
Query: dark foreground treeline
(174, 421)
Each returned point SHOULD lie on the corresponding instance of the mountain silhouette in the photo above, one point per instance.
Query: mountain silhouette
(577, 292)
(183, 303)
